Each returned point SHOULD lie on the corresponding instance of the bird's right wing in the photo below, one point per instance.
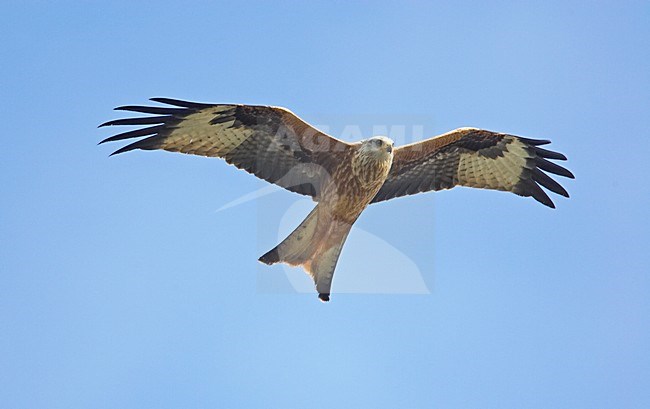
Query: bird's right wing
(270, 142)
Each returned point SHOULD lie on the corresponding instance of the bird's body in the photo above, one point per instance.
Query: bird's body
(352, 188)
(316, 244)
(343, 178)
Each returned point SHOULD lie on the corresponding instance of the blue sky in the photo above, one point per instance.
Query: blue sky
(122, 286)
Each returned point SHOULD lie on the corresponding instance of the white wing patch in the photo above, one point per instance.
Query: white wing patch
(501, 173)
(197, 135)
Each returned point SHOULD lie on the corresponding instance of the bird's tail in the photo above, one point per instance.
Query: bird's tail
(315, 245)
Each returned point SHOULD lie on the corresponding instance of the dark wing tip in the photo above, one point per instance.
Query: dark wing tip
(163, 118)
(324, 297)
(545, 153)
(528, 187)
(152, 142)
(534, 178)
(152, 130)
(541, 196)
(153, 110)
(547, 182)
(146, 120)
(533, 142)
(271, 257)
(553, 167)
(180, 103)
(121, 150)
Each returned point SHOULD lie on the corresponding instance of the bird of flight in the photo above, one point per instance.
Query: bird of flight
(342, 178)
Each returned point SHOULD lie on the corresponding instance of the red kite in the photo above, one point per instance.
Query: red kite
(343, 178)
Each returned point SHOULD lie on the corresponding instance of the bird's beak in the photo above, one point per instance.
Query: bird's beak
(389, 149)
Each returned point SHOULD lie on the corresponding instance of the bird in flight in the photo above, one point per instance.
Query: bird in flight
(343, 178)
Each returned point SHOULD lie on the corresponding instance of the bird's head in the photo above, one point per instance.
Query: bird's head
(380, 147)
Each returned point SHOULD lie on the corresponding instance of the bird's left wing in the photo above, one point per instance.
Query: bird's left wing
(475, 158)
(270, 142)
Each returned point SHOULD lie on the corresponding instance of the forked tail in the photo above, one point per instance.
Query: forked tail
(315, 245)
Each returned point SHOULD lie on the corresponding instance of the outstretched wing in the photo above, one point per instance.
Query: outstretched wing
(270, 142)
(475, 158)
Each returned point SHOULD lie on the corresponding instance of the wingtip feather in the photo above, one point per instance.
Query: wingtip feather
(533, 142)
(122, 150)
(180, 103)
(548, 154)
(548, 182)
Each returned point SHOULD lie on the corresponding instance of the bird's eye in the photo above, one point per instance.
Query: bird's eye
(378, 142)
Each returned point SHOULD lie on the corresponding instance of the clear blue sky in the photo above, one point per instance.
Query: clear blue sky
(122, 287)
